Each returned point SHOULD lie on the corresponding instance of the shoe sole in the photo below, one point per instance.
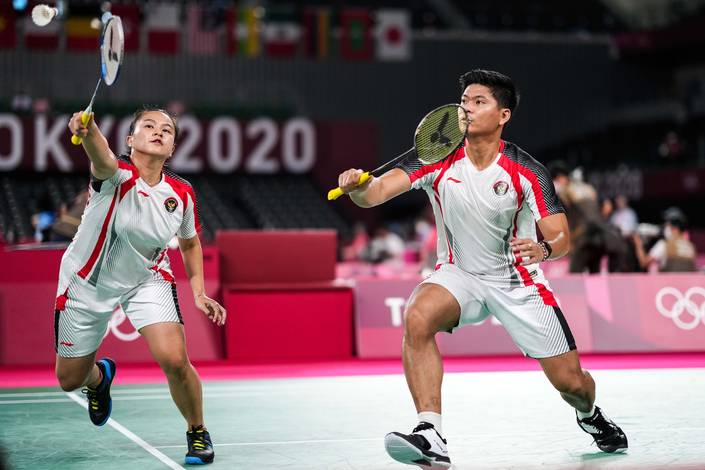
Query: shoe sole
(403, 451)
(111, 375)
(613, 450)
(196, 461)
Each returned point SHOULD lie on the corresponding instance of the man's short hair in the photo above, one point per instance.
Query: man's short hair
(501, 86)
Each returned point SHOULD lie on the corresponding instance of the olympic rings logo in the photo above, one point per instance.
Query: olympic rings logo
(117, 319)
(684, 311)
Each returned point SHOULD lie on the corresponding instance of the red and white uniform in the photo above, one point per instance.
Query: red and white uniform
(477, 214)
(118, 257)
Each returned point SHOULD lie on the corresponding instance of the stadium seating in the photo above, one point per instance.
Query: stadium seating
(225, 202)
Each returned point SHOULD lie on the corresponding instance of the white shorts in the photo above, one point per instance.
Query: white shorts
(83, 311)
(530, 314)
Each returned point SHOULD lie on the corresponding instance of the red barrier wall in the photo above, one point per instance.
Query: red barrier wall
(287, 322)
(295, 256)
(27, 295)
(280, 295)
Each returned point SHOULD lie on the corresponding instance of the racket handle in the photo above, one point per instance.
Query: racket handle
(334, 194)
(85, 119)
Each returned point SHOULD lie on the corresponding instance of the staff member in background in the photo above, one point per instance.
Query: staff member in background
(674, 252)
(119, 257)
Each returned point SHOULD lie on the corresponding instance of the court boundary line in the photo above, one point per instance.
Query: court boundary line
(131, 436)
(450, 436)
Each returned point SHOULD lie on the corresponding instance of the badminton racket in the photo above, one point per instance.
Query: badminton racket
(438, 135)
(112, 47)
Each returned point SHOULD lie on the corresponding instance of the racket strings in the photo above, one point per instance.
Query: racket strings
(440, 133)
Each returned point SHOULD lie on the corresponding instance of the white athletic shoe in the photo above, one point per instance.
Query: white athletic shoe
(424, 447)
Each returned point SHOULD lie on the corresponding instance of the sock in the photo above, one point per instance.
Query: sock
(589, 414)
(432, 418)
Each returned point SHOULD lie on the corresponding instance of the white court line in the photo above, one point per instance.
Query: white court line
(315, 441)
(131, 436)
(454, 437)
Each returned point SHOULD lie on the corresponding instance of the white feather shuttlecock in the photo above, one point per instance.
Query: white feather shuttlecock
(43, 14)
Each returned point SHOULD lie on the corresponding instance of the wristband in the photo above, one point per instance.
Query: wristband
(546, 248)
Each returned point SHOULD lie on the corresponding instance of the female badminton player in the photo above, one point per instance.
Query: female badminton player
(119, 257)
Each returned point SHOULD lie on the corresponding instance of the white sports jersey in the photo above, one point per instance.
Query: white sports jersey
(125, 228)
(479, 212)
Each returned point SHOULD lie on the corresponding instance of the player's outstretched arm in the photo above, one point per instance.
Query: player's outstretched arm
(376, 190)
(103, 161)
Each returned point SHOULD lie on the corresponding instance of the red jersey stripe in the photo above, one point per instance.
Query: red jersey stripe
(101, 240)
(536, 188)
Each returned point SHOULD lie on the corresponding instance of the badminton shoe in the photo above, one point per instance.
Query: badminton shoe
(99, 402)
(200, 447)
(608, 436)
(424, 447)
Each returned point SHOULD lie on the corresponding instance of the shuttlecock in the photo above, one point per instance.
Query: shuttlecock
(43, 14)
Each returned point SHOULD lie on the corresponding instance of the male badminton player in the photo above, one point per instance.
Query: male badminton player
(119, 257)
(487, 198)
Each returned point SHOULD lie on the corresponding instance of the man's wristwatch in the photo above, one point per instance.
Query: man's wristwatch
(546, 248)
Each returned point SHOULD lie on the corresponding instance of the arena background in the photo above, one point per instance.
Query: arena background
(274, 100)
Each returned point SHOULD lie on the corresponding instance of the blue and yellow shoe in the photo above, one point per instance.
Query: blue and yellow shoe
(200, 447)
(99, 402)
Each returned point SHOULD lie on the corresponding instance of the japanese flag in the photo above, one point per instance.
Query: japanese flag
(393, 34)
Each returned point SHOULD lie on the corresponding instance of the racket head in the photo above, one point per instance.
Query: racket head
(112, 49)
(440, 133)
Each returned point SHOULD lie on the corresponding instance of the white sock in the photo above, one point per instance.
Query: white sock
(432, 418)
(589, 414)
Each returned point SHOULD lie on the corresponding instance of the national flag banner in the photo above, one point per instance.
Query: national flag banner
(231, 41)
(8, 30)
(129, 14)
(317, 32)
(203, 28)
(356, 34)
(83, 28)
(249, 31)
(282, 31)
(41, 37)
(393, 34)
(243, 30)
(163, 29)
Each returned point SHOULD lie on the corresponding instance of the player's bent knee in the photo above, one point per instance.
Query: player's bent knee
(416, 325)
(178, 365)
(571, 385)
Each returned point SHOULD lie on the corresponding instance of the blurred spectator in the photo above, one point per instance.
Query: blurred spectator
(591, 236)
(43, 219)
(624, 217)
(672, 147)
(22, 102)
(607, 208)
(355, 249)
(41, 106)
(69, 218)
(673, 252)
(428, 252)
(626, 221)
(426, 240)
(385, 245)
